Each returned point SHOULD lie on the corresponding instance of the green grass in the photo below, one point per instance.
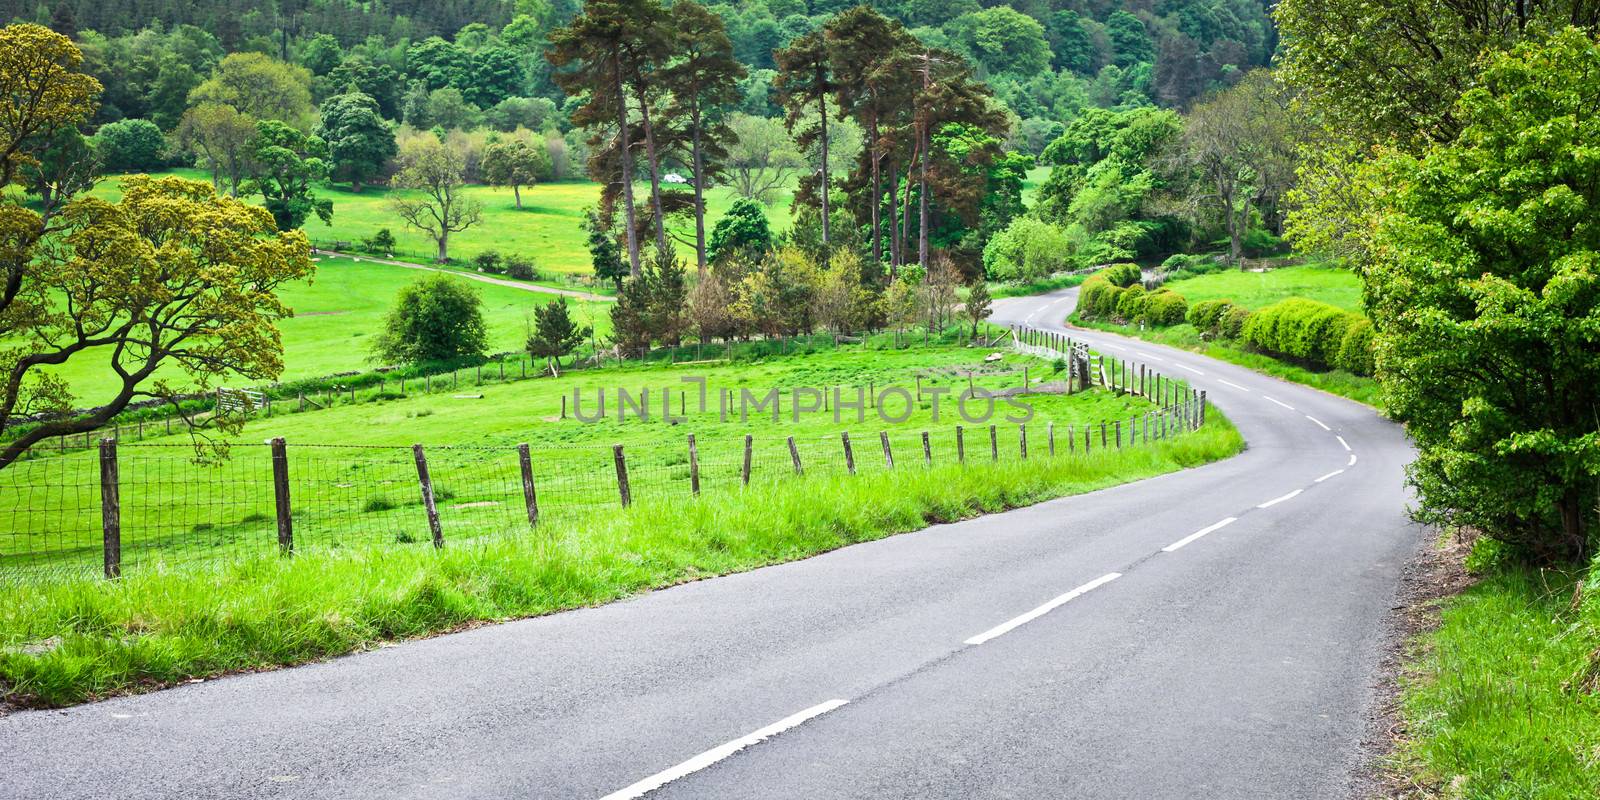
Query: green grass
(1502, 700)
(548, 227)
(1331, 285)
(999, 290)
(337, 314)
(355, 483)
(63, 643)
(1359, 388)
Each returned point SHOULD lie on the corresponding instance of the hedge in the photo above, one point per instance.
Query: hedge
(1164, 308)
(1308, 330)
(1205, 314)
(1122, 274)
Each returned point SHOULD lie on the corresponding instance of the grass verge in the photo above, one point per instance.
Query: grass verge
(999, 290)
(66, 643)
(1345, 384)
(1502, 700)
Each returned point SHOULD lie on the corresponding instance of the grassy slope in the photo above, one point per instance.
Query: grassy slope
(1502, 699)
(547, 228)
(339, 311)
(1253, 290)
(65, 642)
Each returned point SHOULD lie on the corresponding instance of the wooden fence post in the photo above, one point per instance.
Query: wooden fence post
(794, 455)
(530, 496)
(849, 455)
(744, 475)
(1119, 434)
(427, 495)
(280, 496)
(694, 467)
(1104, 440)
(1022, 440)
(1202, 407)
(927, 450)
(961, 445)
(622, 475)
(994, 443)
(888, 455)
(110, 508)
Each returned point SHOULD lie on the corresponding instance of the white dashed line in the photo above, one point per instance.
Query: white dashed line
(1319, 423)
(1352, 460)
(1278, 402)
(1116, 347)
(1187, 367)
(1007, 626)
(1234, 385)
(1343, 443)
(1197, 534)
(1137, 354)
(1329, 475)
(1276, 500)
(716, 754)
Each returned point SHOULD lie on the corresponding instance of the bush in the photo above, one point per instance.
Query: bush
(1231, 324)
(1027, 250)
(1122, 274)
(437, 318)
(1165, 308)
(488, 261)
(1355, 350)
(380, 243)
(521, 268)
(1191, 265)
(131, 145)
(1205, 314)
(1259, 242)
(1301, 328)
(1130, 303)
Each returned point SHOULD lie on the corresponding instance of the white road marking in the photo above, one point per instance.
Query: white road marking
(1187, 367)
(1276, 500)
(1137, 354)
(1329, 475)
(1234, 385)
(1319, 423)
(1197, 534)
(1279, 402)
(1007, 626)
(716, 754)
(1352, 460)
(1343, 443)
(1116, 347)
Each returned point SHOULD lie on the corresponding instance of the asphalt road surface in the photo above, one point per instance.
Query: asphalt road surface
(1211, 633)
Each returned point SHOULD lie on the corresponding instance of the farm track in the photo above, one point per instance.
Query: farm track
(528, 287)
(1215, 632)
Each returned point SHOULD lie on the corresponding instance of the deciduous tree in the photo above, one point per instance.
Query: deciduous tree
(434, 171)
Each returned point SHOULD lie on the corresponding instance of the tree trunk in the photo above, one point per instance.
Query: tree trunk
(699, 196)
(822, 108)
(655, 172)
(877, 194)
(894, 221)
(922, 203)
(516, 191)
(905, 209)
(627, 168)
(444, 247)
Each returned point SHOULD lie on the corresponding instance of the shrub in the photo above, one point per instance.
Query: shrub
(1130, 303)
(437, 318)
(1190, 265)
(380, 243)
(1301, 328)
(1122, 274)
(1165, 308)
(488, 261)
(1355, 350)
(1231, 324)
(131, 145)
(521, 268)
(1259, 242)
(1205, 314)
(1028, 249)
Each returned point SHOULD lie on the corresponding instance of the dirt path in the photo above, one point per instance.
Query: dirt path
(598, 298)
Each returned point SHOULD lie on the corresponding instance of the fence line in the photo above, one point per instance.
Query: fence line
(140, 505)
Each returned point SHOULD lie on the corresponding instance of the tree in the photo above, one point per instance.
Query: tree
(42, 92)
(667, 316)
(169, 276)
(761, 157)
(978, 303)
(1130, 40)
(604, 255)
(803, 83)
(284, 164)
(221, 135)
(704, 83)
(743, 229)
(1003, 41)
(1484, 290)
(359, 141)
(435, 171)
(515, 163)
(131, 145)
(260, 86)
(65, 166)
(436, 318)
(555, 334)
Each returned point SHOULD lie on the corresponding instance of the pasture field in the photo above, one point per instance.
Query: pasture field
(341, 309)
(355, 478)
(548, 227)
(1331, 285)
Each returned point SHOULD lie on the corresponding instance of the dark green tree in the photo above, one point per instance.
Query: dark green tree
(285, 165)
(437, 318)
(555, 334)
(359, 141)
(743, 230)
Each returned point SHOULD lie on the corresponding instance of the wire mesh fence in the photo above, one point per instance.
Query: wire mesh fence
(140, 505)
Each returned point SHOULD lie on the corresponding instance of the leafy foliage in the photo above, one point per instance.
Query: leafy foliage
(438, 318)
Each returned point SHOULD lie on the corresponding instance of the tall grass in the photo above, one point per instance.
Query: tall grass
(69, 642)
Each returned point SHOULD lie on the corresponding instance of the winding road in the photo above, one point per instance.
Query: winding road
(1213, 633)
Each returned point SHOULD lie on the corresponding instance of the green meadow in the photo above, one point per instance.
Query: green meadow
(1328, 284)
